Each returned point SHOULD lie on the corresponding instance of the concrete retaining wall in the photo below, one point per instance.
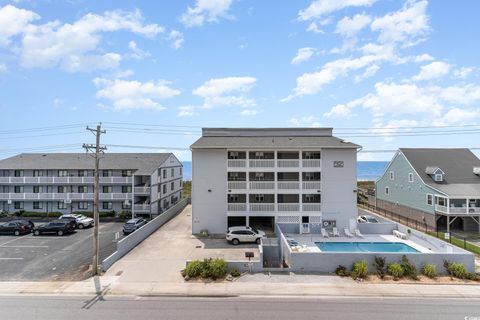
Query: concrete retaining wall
(132, 240)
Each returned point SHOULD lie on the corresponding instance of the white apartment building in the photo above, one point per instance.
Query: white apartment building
(144, 184)
(301, 178)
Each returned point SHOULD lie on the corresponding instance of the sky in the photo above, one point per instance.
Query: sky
(383, 73)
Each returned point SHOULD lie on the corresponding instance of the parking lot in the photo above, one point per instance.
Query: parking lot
(29, 257)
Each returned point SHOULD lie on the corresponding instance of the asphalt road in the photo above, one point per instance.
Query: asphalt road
(37, 258)
(123, 308)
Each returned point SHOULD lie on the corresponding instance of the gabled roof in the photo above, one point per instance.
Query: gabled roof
(433, 170)
(457, 165)
(143, 163)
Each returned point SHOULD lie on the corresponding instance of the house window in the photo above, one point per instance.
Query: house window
(61, 189)
(37, 205)
(18, 189)
(83, 205)
(259, 198)
(127, 173)
(37, 189)
(438, 177)
(172, 186)
(107, 173)
(62, 173)
(126, 189)
(164, 174)
(259, 176)
(392, 175)
(181, 183)
(18, 173)
(164, 188)
(410, 177)
(172, 171)
(82, 189)
(180, 170)
(61, 205)
(387, 191)
(18, 205)
(430, 199)
(441, 202)
(37, 173)
(107, 206)
(107, 189)
(233, 198)
(82, 173)
(233, 155)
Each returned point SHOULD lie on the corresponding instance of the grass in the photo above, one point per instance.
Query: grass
(458, 242)
(366, 184)
(187, 189)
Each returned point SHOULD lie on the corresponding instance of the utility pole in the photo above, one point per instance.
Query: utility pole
(96, 149)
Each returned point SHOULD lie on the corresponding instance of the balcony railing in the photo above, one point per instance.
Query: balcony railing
(262, 207)
(309, 207)
(288, 185)
(295, 207)
(237, 163)
(262, 185)
(138, 208)
(441, 208)
(311, 163)
(241, 185)
(63, 196)
(239, 207)
(262, 163)
(142, 190)
(284, 163)
(311, 185)
(65, 180)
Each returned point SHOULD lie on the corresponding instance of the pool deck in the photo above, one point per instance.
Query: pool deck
(307, 241)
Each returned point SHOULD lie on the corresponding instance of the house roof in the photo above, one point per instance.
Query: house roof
(270, 138)
(143, 163)
(457, 165)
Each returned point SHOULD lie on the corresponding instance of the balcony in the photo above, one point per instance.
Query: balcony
(240, 185)
(237, 207)
(262, 163)
(288, 163)
(311, 207)
(142, 191)
(311, 185)
(292, 207)
(262, 185)
(262, 207)
(312, 163)
(63, 196)
(237, 163)
(142, 208)
(64, 180)
(288, 185)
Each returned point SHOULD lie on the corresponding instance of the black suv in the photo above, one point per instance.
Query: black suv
(70, 219)
(57, 227)
(29, 225)
(13, 227)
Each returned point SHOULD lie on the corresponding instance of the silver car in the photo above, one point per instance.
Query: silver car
(236, 235)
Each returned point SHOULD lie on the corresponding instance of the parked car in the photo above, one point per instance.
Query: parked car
(81, 220)
(13, 227)
(58, 227)
(367, 219)
(29, 225)
(71, 219)
(236, 235)
(133, 224)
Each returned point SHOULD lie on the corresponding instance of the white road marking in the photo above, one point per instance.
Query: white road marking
(11, 258)
(1, 245)
(23, 247)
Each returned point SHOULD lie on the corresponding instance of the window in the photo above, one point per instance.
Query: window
(107, 189)
(61, 189)
(18, 205)
(233, 155)
(172, 186)
(181, 183)
(82, 189)
(37, 173)
(127, 173)
(126, 205)
(172, 171)
(430, 199)
(126, 189)
(62, 173)
(107, 206)
(37, 189)
(18, 189)
(82, 173)
(37, 205)
(259, 197)
(392, 175)
(164, 188)
(83, 205)
(18, 173)
(180, 170)
(233, 198)
(164, 174)
(259, 176)
(439, 177)
(387, 190)
(107, 173)
(410, 177)
(61, 205)
(441, 202)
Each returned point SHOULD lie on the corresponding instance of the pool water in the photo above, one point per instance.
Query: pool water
(364, 247)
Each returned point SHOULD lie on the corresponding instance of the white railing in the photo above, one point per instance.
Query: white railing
(289, 207)
(311, 185)
(441, 208)
(237, 163)
(262, 207)
(142, 190)
(262, 163)
(141, 208)
(464, 210)
(262, 185)
(242, 185)
(311, 207)
(63, 196)
(65, 180)
(283, 163)
(288, 185)
(242, 207)
(311, 163)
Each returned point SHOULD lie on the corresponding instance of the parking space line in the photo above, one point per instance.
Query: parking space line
(11, 258)
(23, 247)
(10, 241)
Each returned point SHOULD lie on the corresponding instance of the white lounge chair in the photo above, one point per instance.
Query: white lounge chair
(347, 233)
(358, 233)
(324, 233)
(335, 232)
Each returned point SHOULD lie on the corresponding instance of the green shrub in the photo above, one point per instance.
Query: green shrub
(457, 270)
(194, 269)
(235, 273)
(446, 265)
(207, 269)
(125, 215)
(360, 269)
(342, 271)
(429, 270)
(409, 269)
(472, 276)
(217, 268)
(395, 270)
(380, 266)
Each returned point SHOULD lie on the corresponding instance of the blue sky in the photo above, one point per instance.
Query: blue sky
(155, 72)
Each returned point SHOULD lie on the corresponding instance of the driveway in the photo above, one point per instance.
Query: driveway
(161, 256)
(41, 258)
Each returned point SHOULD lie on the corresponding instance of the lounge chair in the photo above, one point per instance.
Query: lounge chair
(335, 232)
(324, 233)
(347, 233)
(358, 233)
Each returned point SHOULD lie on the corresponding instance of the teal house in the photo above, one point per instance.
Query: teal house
(436, 187)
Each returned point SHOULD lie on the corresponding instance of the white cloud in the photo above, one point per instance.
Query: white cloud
(434, 70)
(305, 121)
(463, 72)
(386, 130)
(137, 53)
(342, 110)
(313, 27)
(406, 26)
(176, 37)
(187, 111)
(351, 26)
(227, 91)
(319, 8)
(303, 54)
(369, 72)
(249, 112)
(3, 68)
(458, 115)
(13, 21)
(85, 63)
(423, 58)
(206, 11)
(131, 95)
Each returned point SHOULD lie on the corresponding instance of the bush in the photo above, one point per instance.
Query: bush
(429, 270)
(217, 268)
(472, 276)
(342, 271)
(409, 268)
(395, 270)
(379, 263)
(194, 269)
(235, 273)
(457, 270)
(37, 214)
(125, 215)
(208, 268)
(360, 269)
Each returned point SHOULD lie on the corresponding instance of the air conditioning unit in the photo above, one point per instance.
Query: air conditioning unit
(476, 170)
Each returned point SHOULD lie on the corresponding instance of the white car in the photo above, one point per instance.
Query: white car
(236, 235)
(82, 221)
(367, 219)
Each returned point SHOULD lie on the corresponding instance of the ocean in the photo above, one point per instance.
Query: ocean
(366, 170)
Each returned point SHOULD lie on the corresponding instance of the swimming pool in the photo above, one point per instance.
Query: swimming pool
(364, 247)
